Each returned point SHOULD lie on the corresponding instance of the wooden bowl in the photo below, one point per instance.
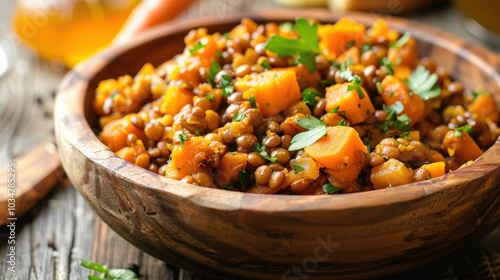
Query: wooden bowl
(238, 235)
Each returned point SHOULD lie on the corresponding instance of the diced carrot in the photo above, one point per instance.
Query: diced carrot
(334, 39)
(381, 29)
(183, 159)
(229, 168)
(394, 90)
(187, 72)
(341, 151)
(435, 156)
(354, 106)
(461, 148)
(405, 55)
(273, 90)
(302, 72)
(126, 153)
(436, 168)
(402, 72)
(351, 54)
(208, 52)
(414, 135)
(332, 119)
(114, 134)
(174, 99)
(390, 173)
(485, 106)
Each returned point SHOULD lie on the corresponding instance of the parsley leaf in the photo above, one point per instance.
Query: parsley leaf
(379, 87)
(365, 48)
(297, 168)
(384, 61)
(401, 123)
(183, 137)
(106, 274)
(458, 130)
(227, 88)
(261, 150)
(197, 47)
(306, 47)
(316, 130)
(210, 96)
(309, 96)
(342, 123)
(477, 93)
(212, 72)
(401, 41)
(357, 88)
(423, 83)
(243, 177)
(252, 101)
(329, 188)
(286, 26)
(265, 64)
(238, 117)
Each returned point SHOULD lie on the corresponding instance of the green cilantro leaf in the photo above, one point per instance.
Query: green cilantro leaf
(265, 64)
(261, 150)
(227, 90)
(306, 47)
(210, 96)
(365, 48)
(183, 137)
(477, 93)
(297, 168)
(252, 101)
(401, 41)
(350, 44)
(309, 96)
(423, 83)
(197, 132)
(458, 130)
(219, 54)
(316, 130)
(212, 72)
(379, 87)
(384, 61)
(108, 274)
(226, 35)
(197, 47)
(401, 123)
(357, 88)
(243, 177)
(329, 188)
(238, 117)
(342, 123)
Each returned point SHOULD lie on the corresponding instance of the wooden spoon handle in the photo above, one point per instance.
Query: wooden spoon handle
(28, 179)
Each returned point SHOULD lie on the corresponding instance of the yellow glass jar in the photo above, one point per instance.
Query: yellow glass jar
(484, 12)
(69, 31)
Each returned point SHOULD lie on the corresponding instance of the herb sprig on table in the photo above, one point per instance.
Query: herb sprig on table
(108, 274)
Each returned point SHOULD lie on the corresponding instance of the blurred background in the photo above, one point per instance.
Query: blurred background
(40, 40)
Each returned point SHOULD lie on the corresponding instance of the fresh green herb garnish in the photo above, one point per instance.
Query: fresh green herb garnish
(227, 90)
(316, 130)
(252, 101)
(367, 144)
(219, 54)
(379, 87)
(458, 130)
(286, 26)
(108, 274)
(227, 187)
(355, 86)
(210, 96)
(401, 41)
(238, 117)
(309, 96)
(306, 47)
(226, 35)
(329, 188)
(197, 47)
(342, 123)
(477, 93)
(197, 132)
(350, 44)
(183, 137)
(243, 177)
(401, 123)
(297, 168)
(212, 72)
(365, 48)
(261, 150)
(384, 61)
(406, 135)
(265, 64)
(423, 83)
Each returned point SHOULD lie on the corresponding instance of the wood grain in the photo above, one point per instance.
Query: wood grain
(229, 234)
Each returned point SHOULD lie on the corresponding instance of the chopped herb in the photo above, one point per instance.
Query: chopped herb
(261, 150)
(367, 144)
(309, 96)
(406, 135)
(350, 44)
(238, 117)
(326, 83)
(306, 47)
(401, 41)
(226, 80)
(401, 123)
(342, 123)
(379, 87)
(391, 94)
(197, 132)
(212, 72)
(226, 35)
(197, 47)
(108, 274)
(243, 177)
(329, 188)
(477, 93)
(252, 101)
(210, 96)
(219, 54)
(316, 130)
(227, 187)
(297, 168)
(265, 64)
(183, 137)
(458, 130)
(335, 110)
(423, 83)
(358, 89)
(365, 48)
(384, 61)
(227, 90)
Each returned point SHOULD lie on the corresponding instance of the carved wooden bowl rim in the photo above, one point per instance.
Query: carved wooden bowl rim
(72, 125)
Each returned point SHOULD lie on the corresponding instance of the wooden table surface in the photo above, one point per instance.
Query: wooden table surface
(62, 229)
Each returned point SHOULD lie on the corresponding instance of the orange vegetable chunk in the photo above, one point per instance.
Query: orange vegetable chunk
(311, 170)
(485, 106)
(341, 151)
(405, 55)
(273, 90)
(436, 168)
(394, 90)
(462, 148)
(174, 99)
(114, 134)
(335, 38)
(390, 173)
(349, 102)
(183, 160)
(229, 168)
